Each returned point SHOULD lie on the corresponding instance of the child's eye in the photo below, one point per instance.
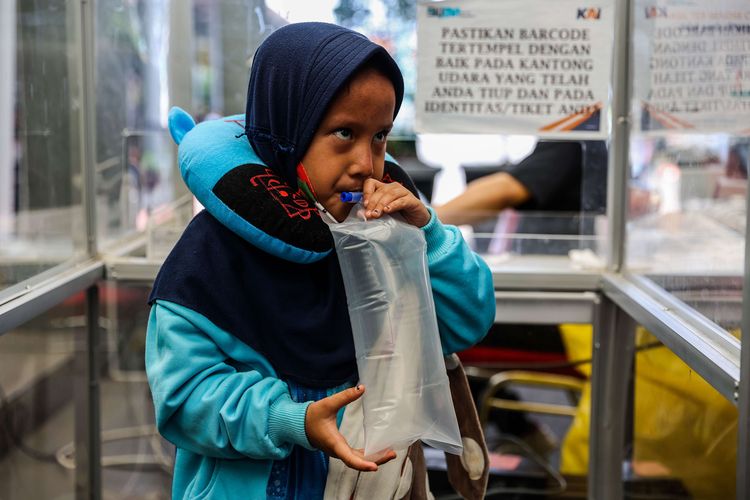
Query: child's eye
(381, 136)
(343, 133)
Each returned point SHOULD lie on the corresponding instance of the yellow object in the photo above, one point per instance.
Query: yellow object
(683, 427)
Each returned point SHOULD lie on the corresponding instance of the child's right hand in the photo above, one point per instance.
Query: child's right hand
(392, 197)
(323, 433)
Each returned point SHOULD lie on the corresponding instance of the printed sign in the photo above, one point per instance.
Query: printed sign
(692, 66)
(538, 67)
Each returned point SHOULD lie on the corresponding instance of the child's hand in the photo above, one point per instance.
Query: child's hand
(389, 198)
(322, 432)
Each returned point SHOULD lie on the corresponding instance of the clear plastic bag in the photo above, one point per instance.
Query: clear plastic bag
(399, 357)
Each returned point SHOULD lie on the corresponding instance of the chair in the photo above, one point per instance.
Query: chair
(515, 356)
(573, 386)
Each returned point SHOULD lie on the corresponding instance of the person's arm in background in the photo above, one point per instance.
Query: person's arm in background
(484, 198)
(547, 179)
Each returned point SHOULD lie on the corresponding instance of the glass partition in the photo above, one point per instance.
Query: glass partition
(518, 196)
(39, 398)
(37, 411)
(41, 216)
(150, 56)
(684, 433)
(689, 153)
(137, 462)
(687, 219)
(135, 164)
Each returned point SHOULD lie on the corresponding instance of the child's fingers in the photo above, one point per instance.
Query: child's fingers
(368, 189)
(343, 398)
(373, 194)
(392, 198)
(352, 459)
(395, 205)
(370, 185)
(381, 457)
(383, 196)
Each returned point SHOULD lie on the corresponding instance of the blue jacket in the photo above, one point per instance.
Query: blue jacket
(229, 415)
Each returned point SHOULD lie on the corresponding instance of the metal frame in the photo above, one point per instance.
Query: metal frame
(47, 294)
(88, 445)
(22, 288)
(743, 392)
(525, 278)
(139, 269)
(674, 325)
(544, 308)
(88, 483)
(713, 333)
(613, 350)
(7, 67)
(612, 301)
(620, 147)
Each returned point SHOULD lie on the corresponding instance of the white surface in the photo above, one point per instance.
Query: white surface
(500, 80)
(684, 243)
(7, 85)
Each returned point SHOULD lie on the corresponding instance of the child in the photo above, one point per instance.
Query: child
(249, 348)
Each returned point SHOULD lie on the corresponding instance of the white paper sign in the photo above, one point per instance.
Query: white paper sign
(538, 67)
(692, 66)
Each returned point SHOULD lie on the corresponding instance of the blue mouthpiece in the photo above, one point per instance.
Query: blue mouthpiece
(351, 197)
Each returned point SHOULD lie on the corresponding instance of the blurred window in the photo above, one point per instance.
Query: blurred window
(41, 215)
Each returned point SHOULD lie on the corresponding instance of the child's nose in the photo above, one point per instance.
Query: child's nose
(363, 161)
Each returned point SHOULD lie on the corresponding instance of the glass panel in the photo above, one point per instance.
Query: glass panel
(517, 232)
(137, 462)
(537, 198)
(684, 442)
(388, 23)
(513, 373)
(687, 219)
(37, 403)
(43, 222)
(135, 169)
(37, 413)
(226, 34)
(690, 152)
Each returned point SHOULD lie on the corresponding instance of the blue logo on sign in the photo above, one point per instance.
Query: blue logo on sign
(443, 11)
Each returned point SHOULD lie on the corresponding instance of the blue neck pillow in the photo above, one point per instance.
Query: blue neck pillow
(222, 170)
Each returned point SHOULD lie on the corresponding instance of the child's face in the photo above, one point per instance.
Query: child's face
(349, 145)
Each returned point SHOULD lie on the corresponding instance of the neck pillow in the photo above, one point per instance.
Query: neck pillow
(247, 196)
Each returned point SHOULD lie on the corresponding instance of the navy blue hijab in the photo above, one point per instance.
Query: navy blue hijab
(295, 75)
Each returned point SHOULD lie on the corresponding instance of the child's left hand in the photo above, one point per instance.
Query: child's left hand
(380, 198)
(323, 433)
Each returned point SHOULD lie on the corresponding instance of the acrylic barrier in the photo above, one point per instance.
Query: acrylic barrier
(541, 243)
(41, 216)
(689, 151)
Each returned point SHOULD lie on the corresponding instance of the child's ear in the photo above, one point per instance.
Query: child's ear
(180, 123)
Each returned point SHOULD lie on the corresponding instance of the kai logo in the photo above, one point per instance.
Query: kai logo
(443, 11)
(655, 11)
(593, 13)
